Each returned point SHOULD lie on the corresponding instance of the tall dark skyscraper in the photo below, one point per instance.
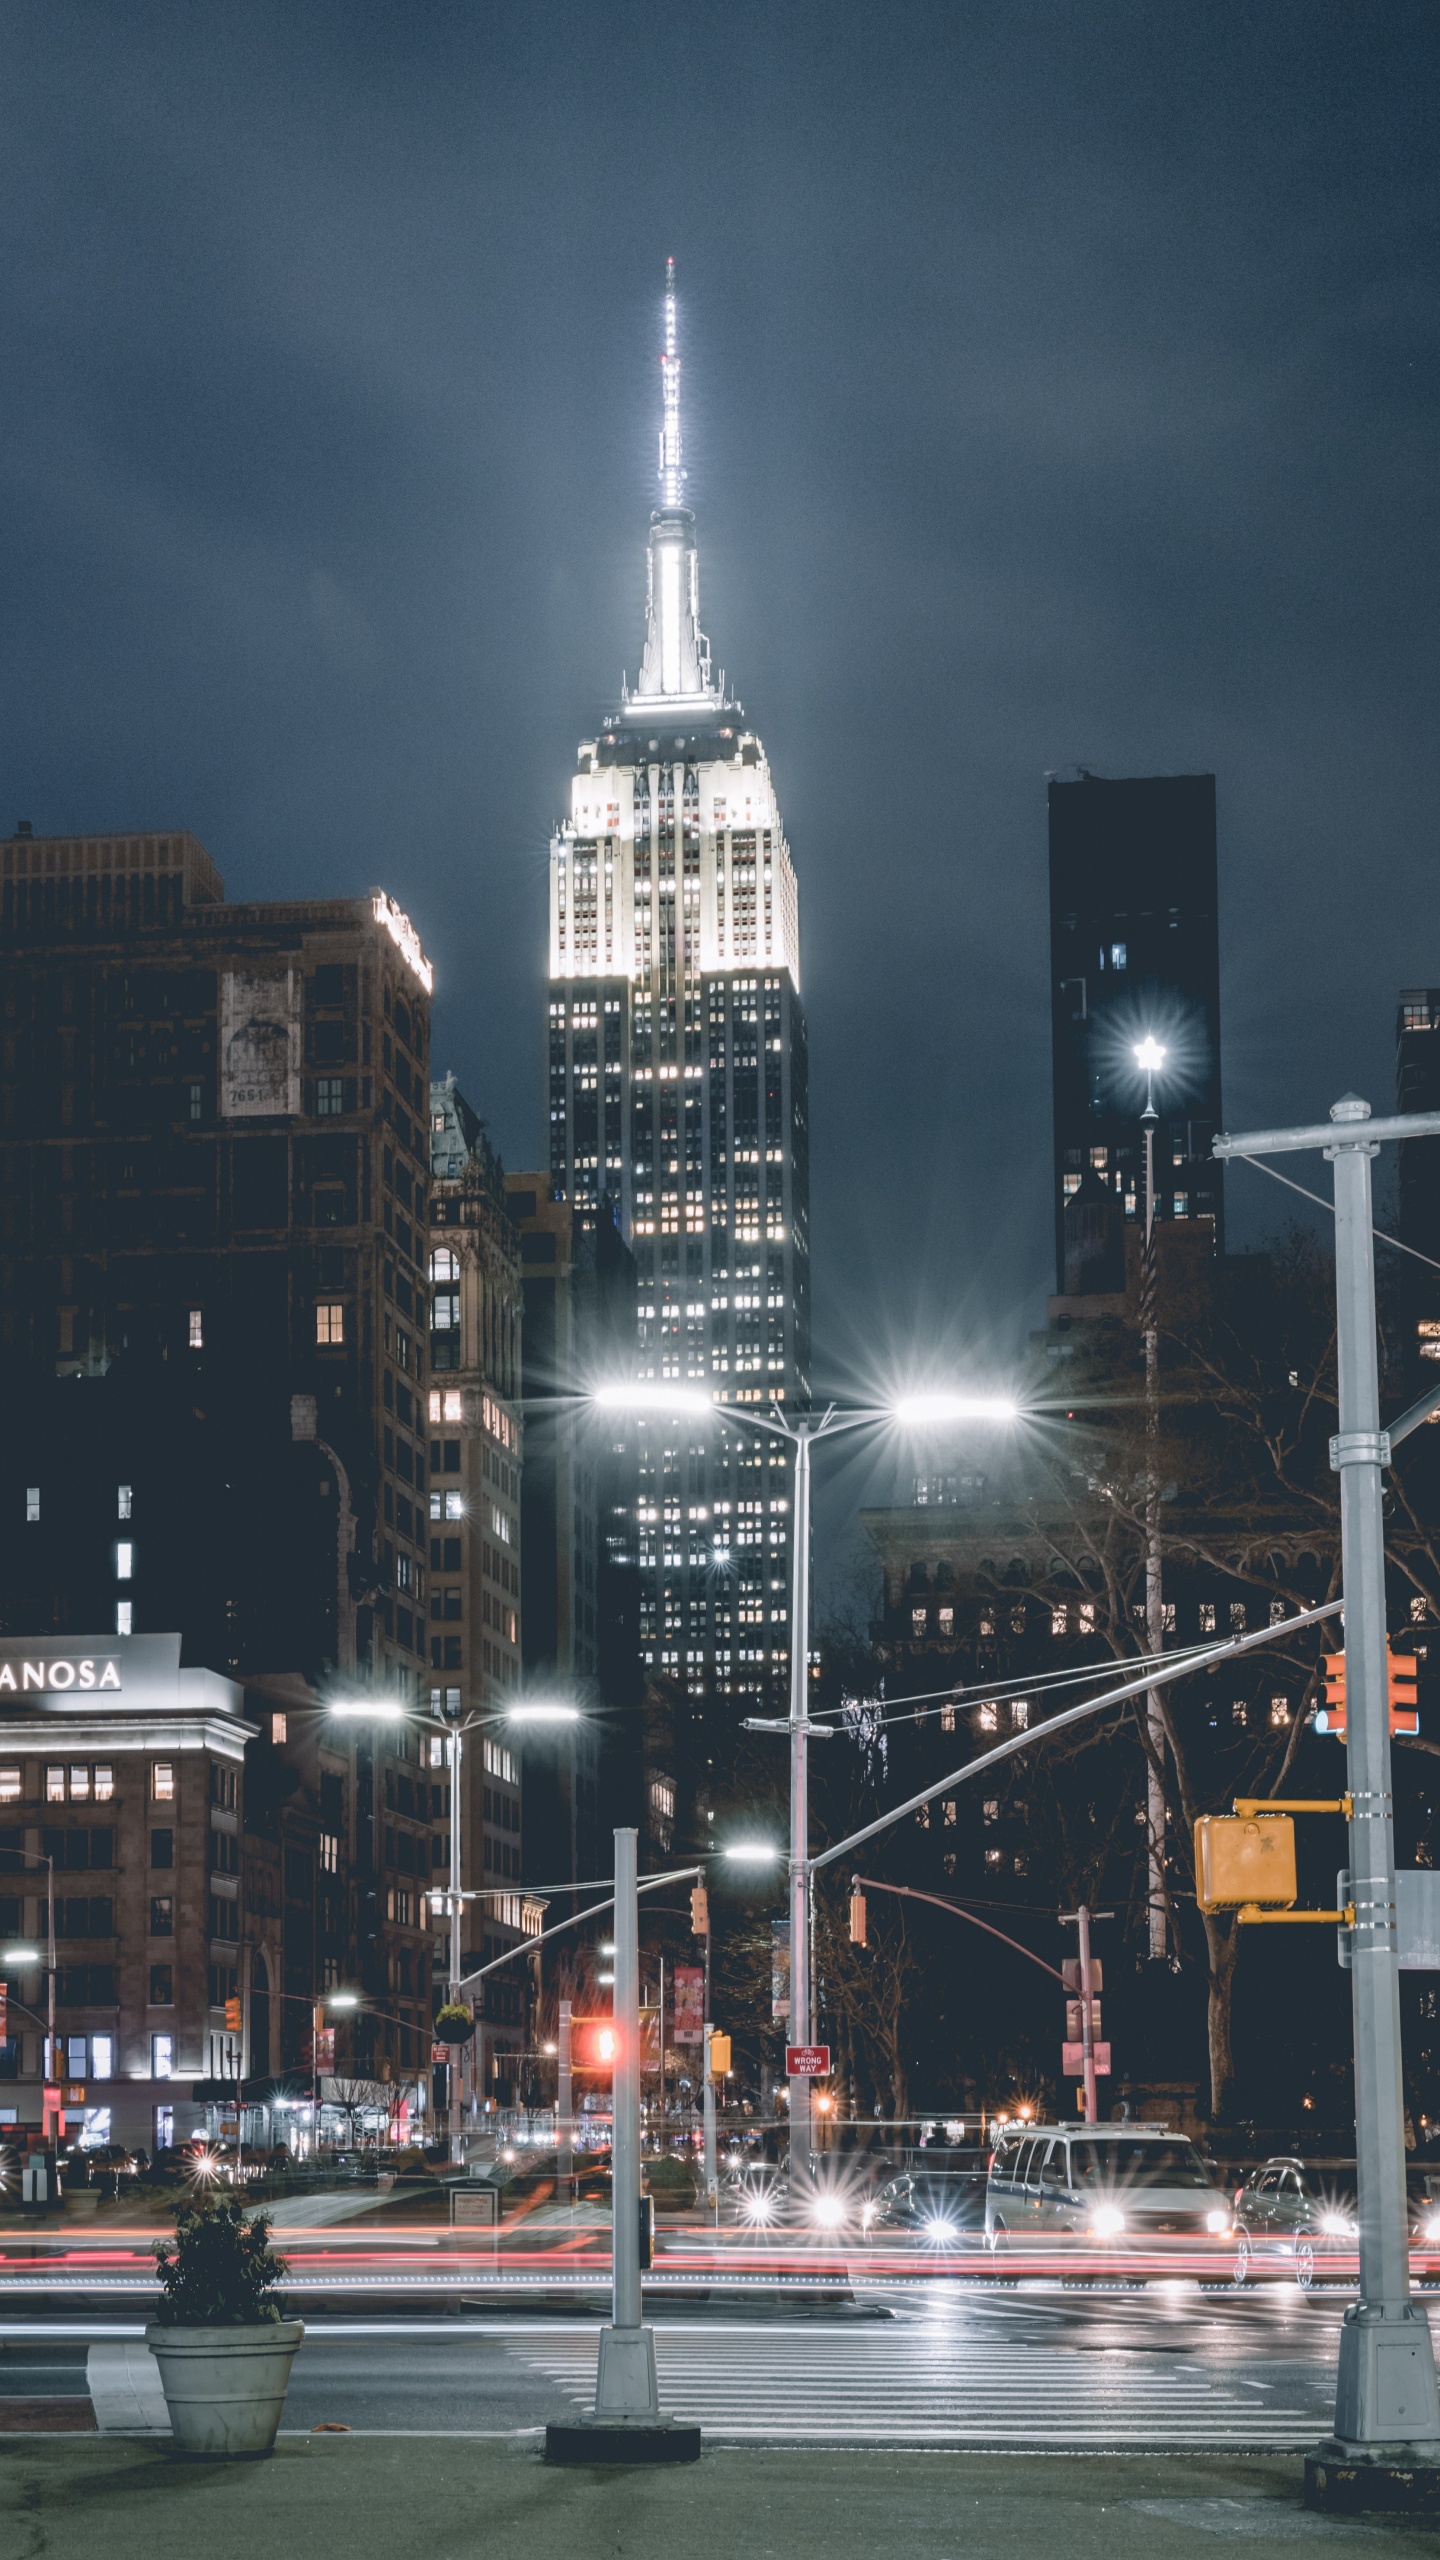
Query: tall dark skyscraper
(678, 1085)
(1134, 953)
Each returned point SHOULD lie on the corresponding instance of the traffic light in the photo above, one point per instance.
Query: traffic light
(857, 1917)
(1402, 1676)
(699, 1912)
(594, 2044)
(719, 2055)
(1331, 1717)
(234, 2021)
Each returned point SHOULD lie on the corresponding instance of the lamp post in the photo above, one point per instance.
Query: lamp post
(453, 1901)
(939, 1407)
(1150, 1057)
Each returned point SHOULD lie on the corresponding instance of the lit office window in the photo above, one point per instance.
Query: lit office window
(104, 1782)
(197, 1329)
(124, 1618)
(162, 1781)
(329, 1323)
(278, 1728)
(124, 1501)
(162, 2057)
(54, 1783)
(124, 1561)
(11, 1786)
(32, 1502)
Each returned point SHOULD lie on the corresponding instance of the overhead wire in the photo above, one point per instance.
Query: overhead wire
(1329, 1207)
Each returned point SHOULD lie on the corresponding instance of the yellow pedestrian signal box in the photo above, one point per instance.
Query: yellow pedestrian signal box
(1244, 1859)
(719, 2056)
(857, 1918)
(699, 1912)
(233, 2019)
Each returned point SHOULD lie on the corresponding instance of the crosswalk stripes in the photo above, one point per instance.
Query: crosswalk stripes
(914, 2388)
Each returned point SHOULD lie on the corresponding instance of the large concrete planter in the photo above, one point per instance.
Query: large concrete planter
(225, 2388)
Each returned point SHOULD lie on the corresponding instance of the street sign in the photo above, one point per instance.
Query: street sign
(1417, 1918)
(1070, 1967)
(1075, 2060)
(1075, 2024)
(807, 2062)
(439, 2054)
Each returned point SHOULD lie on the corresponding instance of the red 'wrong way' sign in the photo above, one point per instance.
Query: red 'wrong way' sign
(807, 2062)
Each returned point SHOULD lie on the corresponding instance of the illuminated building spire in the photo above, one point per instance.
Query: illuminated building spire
(675, 669)
(672, 477)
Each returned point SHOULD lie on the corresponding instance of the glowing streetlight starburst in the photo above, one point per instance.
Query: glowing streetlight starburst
(1150, 1054)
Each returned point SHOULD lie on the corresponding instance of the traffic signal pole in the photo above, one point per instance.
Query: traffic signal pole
(625, 2385)
(627, 2425)
(1387, 2413)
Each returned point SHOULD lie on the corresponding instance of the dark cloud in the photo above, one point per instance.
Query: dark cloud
(1061, 386)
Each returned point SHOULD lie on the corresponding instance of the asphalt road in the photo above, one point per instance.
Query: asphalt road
(945, 2365)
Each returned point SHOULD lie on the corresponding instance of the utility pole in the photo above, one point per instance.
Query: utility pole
(800, 2130)
(564, 2106)
(707, 2086)
(454, 2068)
(1387, 2413)
(1081, 1920)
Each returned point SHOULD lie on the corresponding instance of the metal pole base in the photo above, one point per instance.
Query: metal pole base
(625, 2384)
(1347, 2479)
(1385, 2392)
(611, 2441)
(627, 2425)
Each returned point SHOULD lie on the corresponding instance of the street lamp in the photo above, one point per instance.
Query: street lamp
(1150, 1057)
(532, 1711)
(933, 1405)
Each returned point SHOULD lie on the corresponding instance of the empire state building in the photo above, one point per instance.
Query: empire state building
(678, 1087)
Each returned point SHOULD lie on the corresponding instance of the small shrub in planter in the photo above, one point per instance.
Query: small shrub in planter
(453, 2023)
(223, 2349)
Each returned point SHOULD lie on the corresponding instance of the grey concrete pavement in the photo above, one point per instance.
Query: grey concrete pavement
(368, 2496)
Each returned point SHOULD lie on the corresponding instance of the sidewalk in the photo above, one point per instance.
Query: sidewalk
(450, 2496)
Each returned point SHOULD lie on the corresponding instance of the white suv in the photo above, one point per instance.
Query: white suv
(1101, 2182)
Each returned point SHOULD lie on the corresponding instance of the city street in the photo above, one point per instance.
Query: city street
(944, 2364)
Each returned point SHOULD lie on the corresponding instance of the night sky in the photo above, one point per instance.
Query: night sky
(1060, 388)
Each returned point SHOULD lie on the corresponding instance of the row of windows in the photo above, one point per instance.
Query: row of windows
(1080, 1618)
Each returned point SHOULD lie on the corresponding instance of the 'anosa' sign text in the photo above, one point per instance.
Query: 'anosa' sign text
(60, 1671)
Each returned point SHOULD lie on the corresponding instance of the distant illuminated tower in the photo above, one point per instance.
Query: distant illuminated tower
(678, 1085)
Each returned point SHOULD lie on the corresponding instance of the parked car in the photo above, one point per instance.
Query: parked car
(1101, 2182)
(1288, 2213)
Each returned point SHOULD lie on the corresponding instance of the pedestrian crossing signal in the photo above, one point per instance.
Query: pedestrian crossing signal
(857, 1918)
(719, 2055)
(699, 1912)
(233, 2019)
(594, 2044)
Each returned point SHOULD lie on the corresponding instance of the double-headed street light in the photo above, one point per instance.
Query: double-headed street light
(532, 1712)
(918, 1409)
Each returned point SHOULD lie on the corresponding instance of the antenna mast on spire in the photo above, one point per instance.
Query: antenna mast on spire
(672, 477)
